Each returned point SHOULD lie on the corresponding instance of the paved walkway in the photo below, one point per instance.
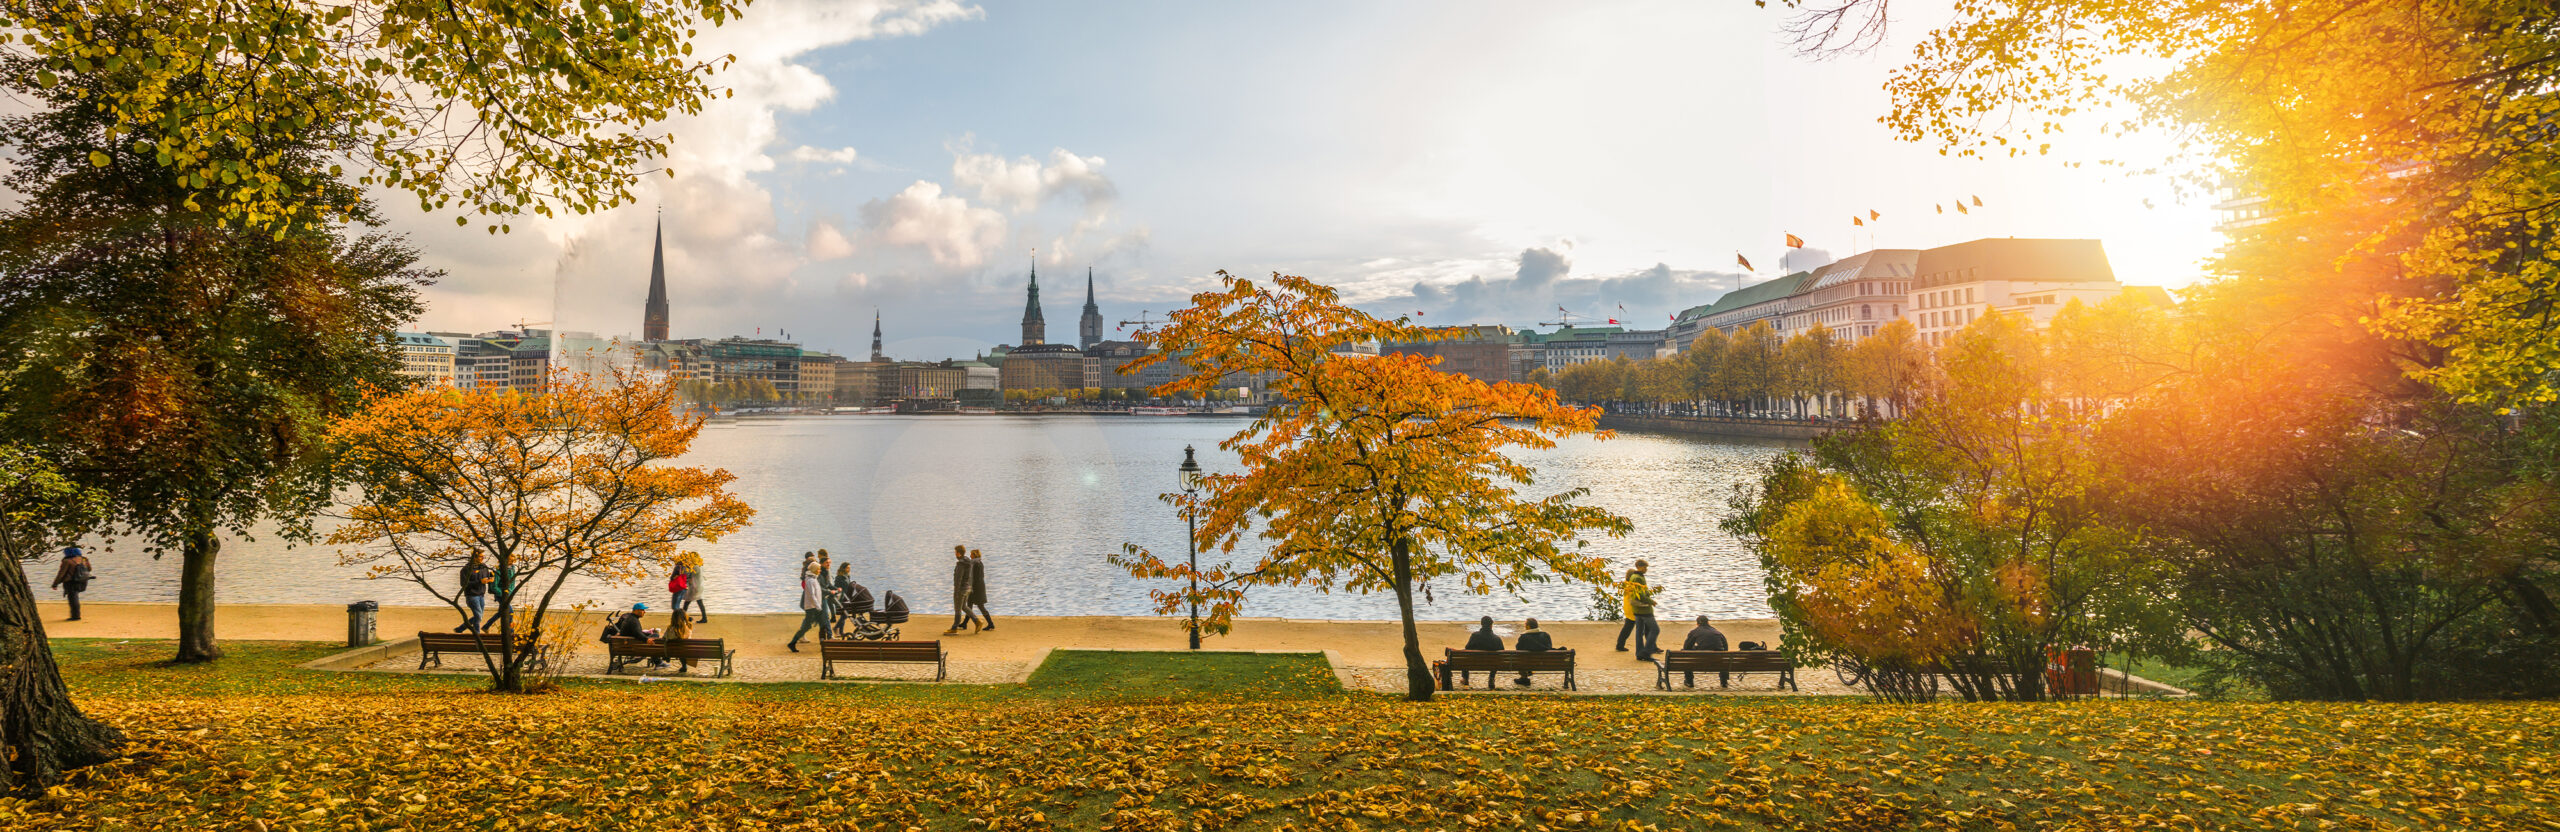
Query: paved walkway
(1372, 650)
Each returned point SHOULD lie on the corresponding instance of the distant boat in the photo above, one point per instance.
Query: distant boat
(1157, 411)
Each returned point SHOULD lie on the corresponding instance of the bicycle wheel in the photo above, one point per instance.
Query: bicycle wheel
(1851, 671)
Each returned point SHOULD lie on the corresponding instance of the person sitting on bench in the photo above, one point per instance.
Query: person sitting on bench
(1482, 639)
(1533, 640)
(1705, 637)
(627, 625)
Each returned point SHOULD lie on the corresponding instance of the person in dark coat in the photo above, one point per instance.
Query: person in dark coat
(978, 589)
(1704, 637)
(73, 577)
(476, 578)
(961, 619)
(1532, 640)
(627, 625)
(1482, 639)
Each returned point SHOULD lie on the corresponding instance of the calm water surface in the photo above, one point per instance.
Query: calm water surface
(1047, 498)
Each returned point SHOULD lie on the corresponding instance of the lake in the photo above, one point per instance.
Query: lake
(1047, 498)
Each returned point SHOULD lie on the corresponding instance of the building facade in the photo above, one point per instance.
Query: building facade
(1855, 295)
(424, 357)
(1956, 285)
(1479, 352)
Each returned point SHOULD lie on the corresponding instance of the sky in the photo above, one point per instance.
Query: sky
(1479, 162)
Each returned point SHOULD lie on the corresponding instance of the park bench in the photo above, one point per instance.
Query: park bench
(831, 651)
(1725, 663)
(1495, 662)
(432, 646)
(624, 651)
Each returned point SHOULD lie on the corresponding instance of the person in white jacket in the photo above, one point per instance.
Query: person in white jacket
(813, 607)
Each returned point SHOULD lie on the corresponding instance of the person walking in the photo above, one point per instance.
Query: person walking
(960, 584)
(679, 585)
(978, 590)
(826, 599)
(813, 607)
(1648, 633)
(476, 578)
(1627, 603)
(73, 577)
(693, 594)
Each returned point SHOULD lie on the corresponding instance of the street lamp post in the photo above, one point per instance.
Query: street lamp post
(1190, 472)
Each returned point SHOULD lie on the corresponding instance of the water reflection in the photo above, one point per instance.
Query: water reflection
(1047, 498)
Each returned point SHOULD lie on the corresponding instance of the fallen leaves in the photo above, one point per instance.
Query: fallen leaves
(603, 761)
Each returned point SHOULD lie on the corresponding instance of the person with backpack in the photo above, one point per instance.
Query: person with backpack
(73, 577)
(476, 578)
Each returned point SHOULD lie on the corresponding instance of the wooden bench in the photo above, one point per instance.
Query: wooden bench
(432, 646)
(623, 651)
(1725, 663)
(831, 651)
(1495, 662)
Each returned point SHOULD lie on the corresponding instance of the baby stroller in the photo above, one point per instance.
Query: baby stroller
(881, 624)
(853, 601)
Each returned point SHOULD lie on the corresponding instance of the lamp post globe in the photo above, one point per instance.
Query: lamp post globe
(1190, 474)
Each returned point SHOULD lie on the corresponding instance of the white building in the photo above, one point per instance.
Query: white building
(1959, 284)
(424, 357)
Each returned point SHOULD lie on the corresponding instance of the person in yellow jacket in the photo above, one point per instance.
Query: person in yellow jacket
(1627, 603)
(1648, 632)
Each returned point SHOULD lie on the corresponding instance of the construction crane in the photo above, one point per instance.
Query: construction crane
(1143, 321)
(1567, 315)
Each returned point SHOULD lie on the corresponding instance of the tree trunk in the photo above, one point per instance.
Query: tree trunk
(1417, 673)
(195, 597)
(42, 734)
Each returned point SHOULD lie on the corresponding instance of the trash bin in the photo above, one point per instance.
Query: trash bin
(360, 623)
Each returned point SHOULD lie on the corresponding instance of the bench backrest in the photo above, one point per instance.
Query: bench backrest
(469, 642)
(1746, 661)
(1508, 660)
(695, 648)
(880, 651)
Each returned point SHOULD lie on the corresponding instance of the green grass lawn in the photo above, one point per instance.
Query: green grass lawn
(1145, 741)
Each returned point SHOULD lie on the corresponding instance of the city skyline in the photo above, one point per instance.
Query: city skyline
(865, 164)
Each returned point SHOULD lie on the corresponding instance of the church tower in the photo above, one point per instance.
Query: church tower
(1089, 328)
(653, 321)
(877, 356)
(1034, 330)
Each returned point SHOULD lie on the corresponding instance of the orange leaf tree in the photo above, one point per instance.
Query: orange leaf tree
(1371, 472)
(571, 481)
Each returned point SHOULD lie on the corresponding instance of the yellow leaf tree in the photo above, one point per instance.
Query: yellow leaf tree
(1371, 473)
(576, 480)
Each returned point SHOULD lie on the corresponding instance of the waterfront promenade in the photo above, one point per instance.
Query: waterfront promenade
(1370, 652)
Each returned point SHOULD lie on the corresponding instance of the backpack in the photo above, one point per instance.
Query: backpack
(677, 583)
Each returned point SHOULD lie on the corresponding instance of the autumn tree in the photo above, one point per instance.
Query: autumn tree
(185, 365)
(575, 482)
(494, 107)
(1884, 368)
(42, 733)
(1967, 538)
(2411, 137)
(1370, 473)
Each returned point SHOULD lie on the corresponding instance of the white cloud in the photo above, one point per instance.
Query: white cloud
(957, 234)
(827, 243)
(1023, 183)
(838, 156)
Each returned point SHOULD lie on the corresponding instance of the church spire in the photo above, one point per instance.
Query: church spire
(653, 316)
(877, 357)
(1034, 330)
(1089, 327)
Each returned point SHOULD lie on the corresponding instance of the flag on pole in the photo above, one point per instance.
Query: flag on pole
(1794, 241)
(1745, 261)
(1613, 321)
(1961, 209)
(1871, 214)
(1977, 200)
(1417, 313)
(1858, 221)
(1941, 208)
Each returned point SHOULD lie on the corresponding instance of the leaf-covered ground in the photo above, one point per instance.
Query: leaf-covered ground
(1249, 742)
